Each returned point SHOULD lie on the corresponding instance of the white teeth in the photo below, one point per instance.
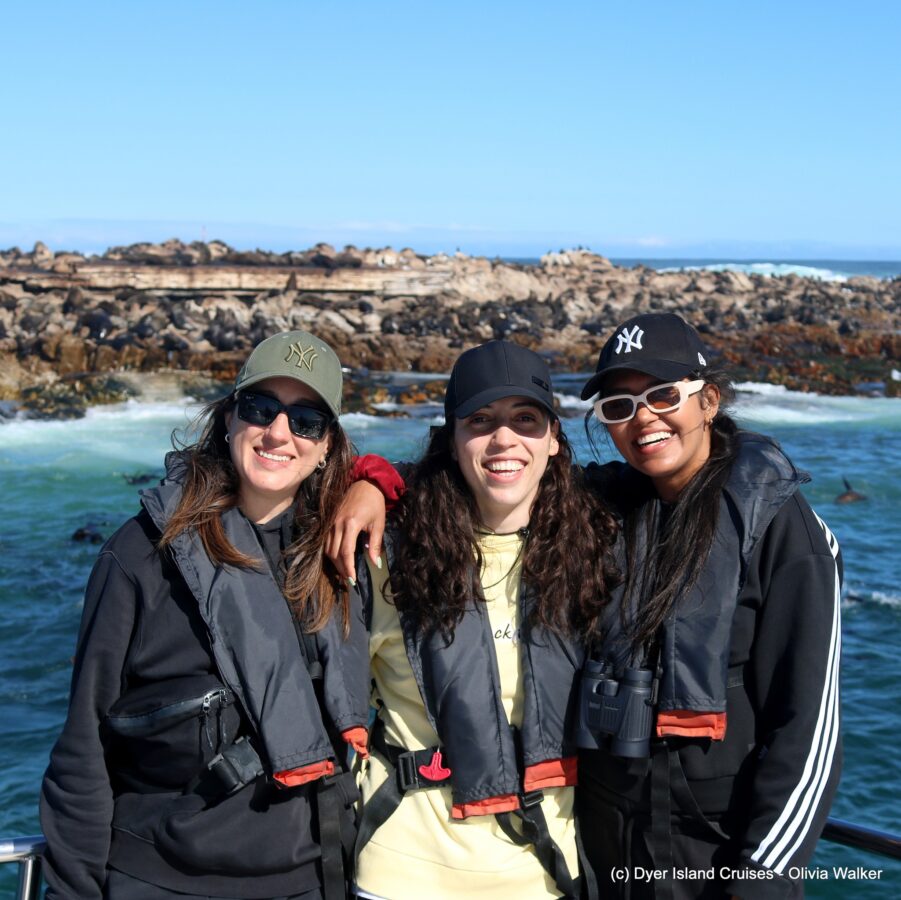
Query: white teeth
(504, 465)
(273, 456)
(653, 438)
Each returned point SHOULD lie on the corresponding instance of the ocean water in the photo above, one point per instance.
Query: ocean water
(822, 269)
(57, 477)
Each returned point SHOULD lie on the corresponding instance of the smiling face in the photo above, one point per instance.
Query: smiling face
(270, 461)
(670, 448)
(503, 451)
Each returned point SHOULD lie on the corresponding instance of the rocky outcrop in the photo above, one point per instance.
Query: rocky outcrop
(69, 322)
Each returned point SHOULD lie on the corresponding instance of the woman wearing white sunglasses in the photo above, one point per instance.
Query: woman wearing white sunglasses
(710, 711)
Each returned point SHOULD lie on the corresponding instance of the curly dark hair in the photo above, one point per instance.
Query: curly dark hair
(567, 562)
(211, 486)
(674, 560)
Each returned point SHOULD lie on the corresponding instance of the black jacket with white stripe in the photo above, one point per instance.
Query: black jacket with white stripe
(768, 785)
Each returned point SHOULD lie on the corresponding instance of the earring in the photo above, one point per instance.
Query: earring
(228, 438)
(321, 464)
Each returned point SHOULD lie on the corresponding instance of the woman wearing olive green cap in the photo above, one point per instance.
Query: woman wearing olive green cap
(222, 665)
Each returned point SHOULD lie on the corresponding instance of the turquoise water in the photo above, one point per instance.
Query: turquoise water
(56, 477)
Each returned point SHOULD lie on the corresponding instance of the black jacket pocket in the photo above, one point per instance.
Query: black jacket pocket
(161, 735)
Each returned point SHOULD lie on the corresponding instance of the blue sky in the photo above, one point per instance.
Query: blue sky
(637, 129)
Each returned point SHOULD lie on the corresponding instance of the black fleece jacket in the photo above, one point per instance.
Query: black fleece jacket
(141, 627)
(769, 784)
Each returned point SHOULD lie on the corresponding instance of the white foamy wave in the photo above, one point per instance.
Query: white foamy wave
(410, 410)
(572, 401)
(761, 387)
(767, 269)
(771, 404)
(359, 420)
(851, 597)
(121, 437)
(137, 410)
(885, 599)
(98, 420)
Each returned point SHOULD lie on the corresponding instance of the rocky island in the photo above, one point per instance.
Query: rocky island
(77, 330)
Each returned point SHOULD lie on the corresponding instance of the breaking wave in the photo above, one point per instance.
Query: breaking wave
(768, 269)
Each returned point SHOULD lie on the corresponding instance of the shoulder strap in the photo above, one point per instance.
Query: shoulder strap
(669, 786)
(411, 770)
(533, 830)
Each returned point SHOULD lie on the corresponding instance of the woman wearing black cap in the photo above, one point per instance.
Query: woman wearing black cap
(498, 561)
(728, 630)
(221, 664)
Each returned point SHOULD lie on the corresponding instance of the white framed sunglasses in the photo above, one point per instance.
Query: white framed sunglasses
(660, 398)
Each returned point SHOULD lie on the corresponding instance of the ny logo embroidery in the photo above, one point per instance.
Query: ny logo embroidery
(626, 340)
(306, 356)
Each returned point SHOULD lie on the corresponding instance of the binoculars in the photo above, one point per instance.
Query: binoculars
(616, 713)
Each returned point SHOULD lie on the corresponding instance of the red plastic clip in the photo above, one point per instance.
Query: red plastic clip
(435, 771)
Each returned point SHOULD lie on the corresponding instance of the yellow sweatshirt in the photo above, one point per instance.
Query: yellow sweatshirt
(421, 851)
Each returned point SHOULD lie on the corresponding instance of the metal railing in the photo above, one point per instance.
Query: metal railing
(840, 832)
(27, 851)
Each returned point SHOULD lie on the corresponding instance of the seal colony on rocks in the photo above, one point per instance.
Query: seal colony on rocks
(71, 325)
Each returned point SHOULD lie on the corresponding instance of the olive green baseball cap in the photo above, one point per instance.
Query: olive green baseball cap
(298, 355)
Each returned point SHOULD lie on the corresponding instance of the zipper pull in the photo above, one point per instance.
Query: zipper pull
(205, 707)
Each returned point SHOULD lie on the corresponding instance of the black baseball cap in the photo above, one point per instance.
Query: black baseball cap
(493, 371)
(660, 344)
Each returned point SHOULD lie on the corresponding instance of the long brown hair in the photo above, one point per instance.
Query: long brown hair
(676, 550)
(211, 487)
(567, 561)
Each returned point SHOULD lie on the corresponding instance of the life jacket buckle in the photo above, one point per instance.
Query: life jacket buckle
(407, 777)
(237, 765)
(421, 769)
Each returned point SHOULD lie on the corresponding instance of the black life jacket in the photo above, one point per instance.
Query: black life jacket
(695, 638)
(491, 768)
(255, 648)
(459, 683)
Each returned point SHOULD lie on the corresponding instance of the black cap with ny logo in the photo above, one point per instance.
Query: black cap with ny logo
(663, 345)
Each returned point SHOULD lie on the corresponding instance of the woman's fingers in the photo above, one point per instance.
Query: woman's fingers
(362, 509)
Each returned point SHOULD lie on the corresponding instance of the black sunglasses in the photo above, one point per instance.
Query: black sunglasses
(304, 421)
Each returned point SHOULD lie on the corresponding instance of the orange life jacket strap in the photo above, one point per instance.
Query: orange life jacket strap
(687, 723)
(552, 773)
(490, 806)
(305, 774)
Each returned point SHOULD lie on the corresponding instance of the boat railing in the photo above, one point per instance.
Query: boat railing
(28, 851)
(870, 839)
